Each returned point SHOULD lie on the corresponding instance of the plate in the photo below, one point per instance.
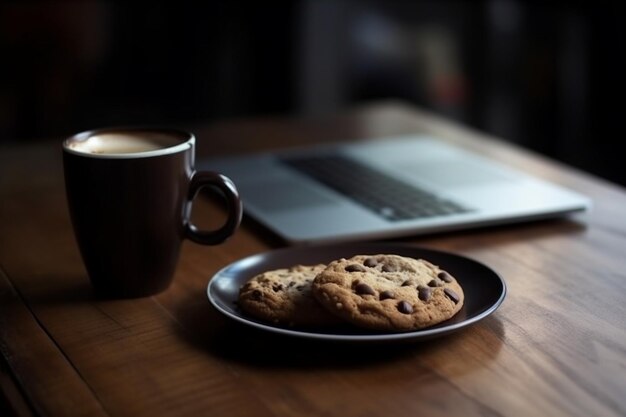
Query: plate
(484, 289)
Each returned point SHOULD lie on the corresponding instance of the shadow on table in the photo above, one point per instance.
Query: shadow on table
(61, 289)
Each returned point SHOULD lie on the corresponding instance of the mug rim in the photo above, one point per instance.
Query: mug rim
(188, 143)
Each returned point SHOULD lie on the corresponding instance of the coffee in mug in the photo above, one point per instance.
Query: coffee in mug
(129, 192)
(123, 142)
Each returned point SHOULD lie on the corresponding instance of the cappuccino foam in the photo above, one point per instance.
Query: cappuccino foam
(124, 142)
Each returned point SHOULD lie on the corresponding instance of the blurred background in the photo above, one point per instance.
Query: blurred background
(546, 75)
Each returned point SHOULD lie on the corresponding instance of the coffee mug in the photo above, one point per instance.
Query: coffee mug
(129, 192)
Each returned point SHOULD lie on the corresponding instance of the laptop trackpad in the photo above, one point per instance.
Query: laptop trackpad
(278, 194)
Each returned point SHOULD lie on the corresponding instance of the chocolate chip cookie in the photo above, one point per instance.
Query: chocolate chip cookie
(283, 297)
(388, 292)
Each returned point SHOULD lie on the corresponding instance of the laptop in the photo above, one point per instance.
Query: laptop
(395, 187)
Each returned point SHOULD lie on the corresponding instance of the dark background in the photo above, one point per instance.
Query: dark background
(546, 75)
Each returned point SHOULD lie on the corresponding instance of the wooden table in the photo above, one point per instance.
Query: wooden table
(556, 347)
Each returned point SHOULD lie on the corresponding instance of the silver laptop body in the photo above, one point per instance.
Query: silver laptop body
(294, 193)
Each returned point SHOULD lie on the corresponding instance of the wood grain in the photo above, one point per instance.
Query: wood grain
(557, 346)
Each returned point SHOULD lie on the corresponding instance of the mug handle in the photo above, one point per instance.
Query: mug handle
(203, 179)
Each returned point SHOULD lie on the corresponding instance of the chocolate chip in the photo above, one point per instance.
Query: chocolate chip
(363, 289)
(256, 295)
(385, 295)
(406, 283)
(389, 268)
(355, 268)
(443, 275)
(405, 307)
(452, 295)
(277, 287)
(434, 283)
(424, 293)
(370, 262)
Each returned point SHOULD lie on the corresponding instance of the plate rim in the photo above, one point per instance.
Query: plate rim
(374, 337)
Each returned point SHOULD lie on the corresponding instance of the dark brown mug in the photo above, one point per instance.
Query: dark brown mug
(129, 192)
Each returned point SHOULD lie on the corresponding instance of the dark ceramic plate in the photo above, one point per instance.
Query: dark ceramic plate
(484, 289)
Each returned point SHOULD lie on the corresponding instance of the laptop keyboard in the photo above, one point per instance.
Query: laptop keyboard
(389, 197)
